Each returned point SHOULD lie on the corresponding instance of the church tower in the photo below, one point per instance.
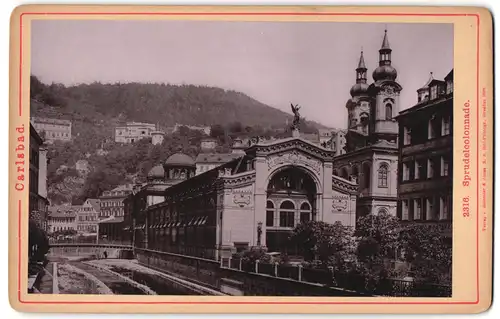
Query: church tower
(359, 105)
(385, 97)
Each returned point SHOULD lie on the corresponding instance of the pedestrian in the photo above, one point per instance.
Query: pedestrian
(105, 254)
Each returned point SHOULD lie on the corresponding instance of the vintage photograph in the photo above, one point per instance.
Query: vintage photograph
(239, 158)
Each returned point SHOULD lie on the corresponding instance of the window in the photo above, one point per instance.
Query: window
(270, 214)
(449, 87)
(287, 214)
(434, 92)
(407, 136)
(429, 209)
(444, 207)
(430, 168)
(305, 212)
(382, 175)
(430, 128)
(388, 111)
(419, 169)
(404, 210)
(445, 125)
(417, 209)
(445, 163)
(406, 172)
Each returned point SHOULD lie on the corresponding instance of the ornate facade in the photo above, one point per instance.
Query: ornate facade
(371, 158)
(253, 200)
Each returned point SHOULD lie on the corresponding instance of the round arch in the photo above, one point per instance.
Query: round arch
(305, 170)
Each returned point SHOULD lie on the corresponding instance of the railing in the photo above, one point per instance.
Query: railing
(89, 243)
(353, 282)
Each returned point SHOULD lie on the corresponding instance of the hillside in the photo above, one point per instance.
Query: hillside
(163, 104)
(95, 109)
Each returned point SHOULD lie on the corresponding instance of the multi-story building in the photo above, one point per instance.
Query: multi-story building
(88, 216)
(336, 141)
(111, 202)
(52, 129)
(426, 155)
(38, 202)
(133, 131)
(62, 218)
(371, 158)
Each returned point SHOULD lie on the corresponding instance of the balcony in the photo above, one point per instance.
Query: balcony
(425, 185)
(437, 143)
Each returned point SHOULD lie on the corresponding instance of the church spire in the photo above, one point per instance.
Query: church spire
(385, 42)
(385, 51)
(361, 70)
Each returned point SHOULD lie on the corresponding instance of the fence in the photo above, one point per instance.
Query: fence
(353, 282)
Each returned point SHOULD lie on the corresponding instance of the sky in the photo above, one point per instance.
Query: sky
(307, 63)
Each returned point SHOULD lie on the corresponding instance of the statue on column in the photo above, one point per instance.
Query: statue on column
(259, 233)
(296, 117)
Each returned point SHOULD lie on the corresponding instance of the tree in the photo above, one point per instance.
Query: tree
(377, 241)
(332, 245)
(378, 236)
(428, 252)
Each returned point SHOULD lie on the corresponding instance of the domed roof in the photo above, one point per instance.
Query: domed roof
(359, 89)
(156, 172)
(385, 72)
(179, 159)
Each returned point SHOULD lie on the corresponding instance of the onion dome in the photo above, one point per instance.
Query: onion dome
(156, 172)
(359, 89)
(180, 159)
(385, 72)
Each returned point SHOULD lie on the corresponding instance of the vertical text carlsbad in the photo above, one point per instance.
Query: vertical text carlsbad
(241, 158)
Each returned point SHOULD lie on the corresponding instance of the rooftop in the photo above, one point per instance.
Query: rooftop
(216, 157)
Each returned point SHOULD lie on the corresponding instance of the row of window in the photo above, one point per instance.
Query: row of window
(87, 228)
(427, 208)
(62, 220)
(435, 127)
(116, 213)
(112, 204)
(56, 134)
(54, 229)
(87, 218)
(426, 168)
(287, 215)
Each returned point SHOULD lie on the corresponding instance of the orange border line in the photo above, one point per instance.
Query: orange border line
(257, 14)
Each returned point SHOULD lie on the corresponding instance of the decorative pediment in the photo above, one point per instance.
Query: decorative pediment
(294, 157)
(286, 145)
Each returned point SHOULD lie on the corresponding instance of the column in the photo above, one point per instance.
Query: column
(327, 193)
(260, 197)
